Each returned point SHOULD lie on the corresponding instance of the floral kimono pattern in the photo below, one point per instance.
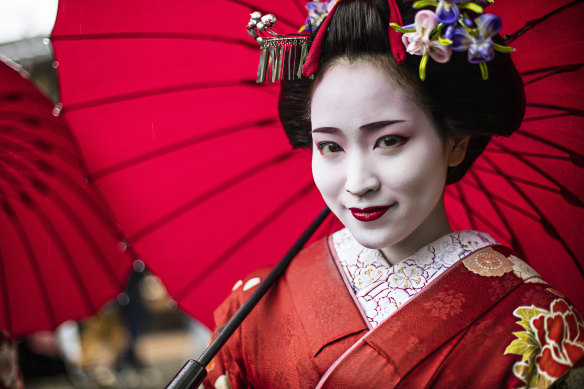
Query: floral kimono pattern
(487, 320)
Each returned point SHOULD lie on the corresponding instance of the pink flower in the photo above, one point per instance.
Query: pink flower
(420, 42)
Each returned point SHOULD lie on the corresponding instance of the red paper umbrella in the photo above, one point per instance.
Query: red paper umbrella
(182, 141)
(190, 154)
(58, 254)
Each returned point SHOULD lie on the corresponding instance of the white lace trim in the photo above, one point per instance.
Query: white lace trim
(381, 288)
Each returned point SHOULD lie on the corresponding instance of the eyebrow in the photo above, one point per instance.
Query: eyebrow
(366, 127)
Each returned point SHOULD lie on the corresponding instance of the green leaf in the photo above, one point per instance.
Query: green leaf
(399, 28)
(425, 3)
(423, 64)
(503, 48)
(473, 7)
(444, 41)
(526, 314)
(518, 347)
(484, 71)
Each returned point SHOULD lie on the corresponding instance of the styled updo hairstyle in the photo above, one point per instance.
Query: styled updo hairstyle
(454, 95)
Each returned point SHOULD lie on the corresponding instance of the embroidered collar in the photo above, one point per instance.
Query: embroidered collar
(380, 288)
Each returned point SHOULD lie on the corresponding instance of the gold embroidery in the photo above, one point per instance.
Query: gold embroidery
(488, 263)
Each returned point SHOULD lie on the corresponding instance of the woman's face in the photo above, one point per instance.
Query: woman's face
(378, 160)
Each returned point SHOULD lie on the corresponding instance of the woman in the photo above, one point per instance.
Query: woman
(397, 299)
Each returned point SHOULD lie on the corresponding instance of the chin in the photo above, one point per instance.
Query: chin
(373, 239)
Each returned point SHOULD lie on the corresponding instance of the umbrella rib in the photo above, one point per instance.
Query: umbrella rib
(500, 214)
(518, 179)
(9, 211)
(505, 202)
(51, 230)
(155, 35)
(73, 185)
(480, 217)
(464, 202)
(565, 110)
(543, 141)
(259, 226)
(42, 146)
(5, 294)
(547, 225)
(80, 227)
(550, 71)
(508, 38)
(98, 174)
(31, 120)
(7, 98)
(546, 117)
(565, 192)
(529, 154)
(153, 92)
(494, 200)
(228, 183)
(17, 127)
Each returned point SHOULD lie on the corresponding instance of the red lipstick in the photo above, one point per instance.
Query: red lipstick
(368, 214)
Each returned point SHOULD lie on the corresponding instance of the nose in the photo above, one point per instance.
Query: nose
(361, 177)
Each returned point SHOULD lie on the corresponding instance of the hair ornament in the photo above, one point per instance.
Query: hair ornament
(281, 56)
(317, 11)
(398, 51)
(455, 25)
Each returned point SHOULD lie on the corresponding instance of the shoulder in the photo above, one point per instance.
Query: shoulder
(544, 332)
(302, 266)
(240, 292)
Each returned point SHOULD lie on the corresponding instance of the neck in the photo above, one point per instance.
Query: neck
(435, 226)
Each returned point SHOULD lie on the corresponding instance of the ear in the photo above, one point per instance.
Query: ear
(457, 150)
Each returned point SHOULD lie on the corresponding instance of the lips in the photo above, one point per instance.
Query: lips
(368, 214)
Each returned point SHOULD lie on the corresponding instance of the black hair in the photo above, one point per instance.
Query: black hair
(454, 94)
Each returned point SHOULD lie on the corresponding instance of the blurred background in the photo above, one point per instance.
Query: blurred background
(139, 339)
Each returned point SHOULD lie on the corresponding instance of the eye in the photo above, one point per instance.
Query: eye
(390, 141)
(327, 148)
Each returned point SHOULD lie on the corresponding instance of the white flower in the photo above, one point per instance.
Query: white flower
(407, 277)
(419, 42)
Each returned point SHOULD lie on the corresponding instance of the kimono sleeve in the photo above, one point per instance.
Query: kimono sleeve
(227, 369)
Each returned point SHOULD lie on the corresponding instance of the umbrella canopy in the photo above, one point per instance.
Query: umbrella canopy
(528, 190)
(58, 253)
(191, 157)
(180, 139)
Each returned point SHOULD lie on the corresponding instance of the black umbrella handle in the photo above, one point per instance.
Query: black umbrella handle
(193, 373)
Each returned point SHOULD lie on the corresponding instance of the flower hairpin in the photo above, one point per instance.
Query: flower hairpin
(258, 24)
(317, 11)
(458, 25)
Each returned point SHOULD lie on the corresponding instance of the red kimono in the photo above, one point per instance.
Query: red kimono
(485, 322)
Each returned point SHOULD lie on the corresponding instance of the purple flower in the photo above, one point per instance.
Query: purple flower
(317, 11)
(419, 42)
(477, 41)
(447, 12)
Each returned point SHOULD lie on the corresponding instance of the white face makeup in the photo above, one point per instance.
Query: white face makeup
(378, 160)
